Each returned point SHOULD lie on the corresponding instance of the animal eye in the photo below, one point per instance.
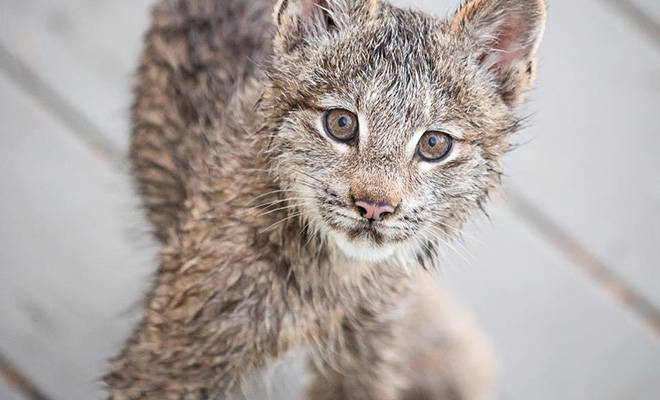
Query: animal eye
(434, 146)
(340, 124)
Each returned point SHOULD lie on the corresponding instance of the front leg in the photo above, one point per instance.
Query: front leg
(363, 373)
(358, 354)
(446, 356)
(432, 352)
(209, 318)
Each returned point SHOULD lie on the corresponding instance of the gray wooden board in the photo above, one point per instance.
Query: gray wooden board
(68, 258)
(558, 336)
(86, 50)
(591, 156)
(8, 393)
(650, 8)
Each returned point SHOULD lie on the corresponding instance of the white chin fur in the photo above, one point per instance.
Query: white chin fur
(362, 250)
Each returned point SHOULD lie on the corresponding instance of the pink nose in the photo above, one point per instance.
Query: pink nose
(374, 211)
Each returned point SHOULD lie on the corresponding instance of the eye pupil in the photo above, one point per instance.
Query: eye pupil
(435, 146)
(341, 125)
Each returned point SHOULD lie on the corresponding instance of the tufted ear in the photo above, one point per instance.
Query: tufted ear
(505, 35)
(300, 22)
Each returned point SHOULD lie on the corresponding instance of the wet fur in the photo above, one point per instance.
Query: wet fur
(247, 195)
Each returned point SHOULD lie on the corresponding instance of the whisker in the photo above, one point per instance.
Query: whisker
(284, 220)
(438, 236)
(290, 206)
(311, 176)
(270, 193)
(460, 231)
(316, 232)
(274, 202)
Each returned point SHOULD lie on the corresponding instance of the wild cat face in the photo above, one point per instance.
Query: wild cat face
(388, 125)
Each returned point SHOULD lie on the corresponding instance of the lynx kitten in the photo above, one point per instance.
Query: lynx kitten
(302, 169)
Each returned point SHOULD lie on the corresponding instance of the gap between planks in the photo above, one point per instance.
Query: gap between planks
(18, 381)
(586, 260)
(77, 122)
(641, 21)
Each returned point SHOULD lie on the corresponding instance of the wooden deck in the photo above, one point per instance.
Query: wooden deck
(565, 277)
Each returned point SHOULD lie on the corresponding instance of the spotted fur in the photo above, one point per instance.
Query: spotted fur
(263, 249)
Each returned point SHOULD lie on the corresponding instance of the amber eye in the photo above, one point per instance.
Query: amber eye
(435, 146)
(341, 125)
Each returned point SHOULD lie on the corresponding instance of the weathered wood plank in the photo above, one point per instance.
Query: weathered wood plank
(8, 393)
(650, 8)
(85, 50)
(590, 160)
(558, 336)
(641, 15)
(70, 267)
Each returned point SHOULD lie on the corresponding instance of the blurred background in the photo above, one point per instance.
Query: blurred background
(564, 276)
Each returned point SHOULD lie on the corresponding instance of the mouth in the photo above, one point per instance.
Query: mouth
(365, 245)
(356, 237)
(362, 240)
(367, 232)
(355, 228)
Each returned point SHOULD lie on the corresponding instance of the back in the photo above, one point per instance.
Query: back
(198, 54)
